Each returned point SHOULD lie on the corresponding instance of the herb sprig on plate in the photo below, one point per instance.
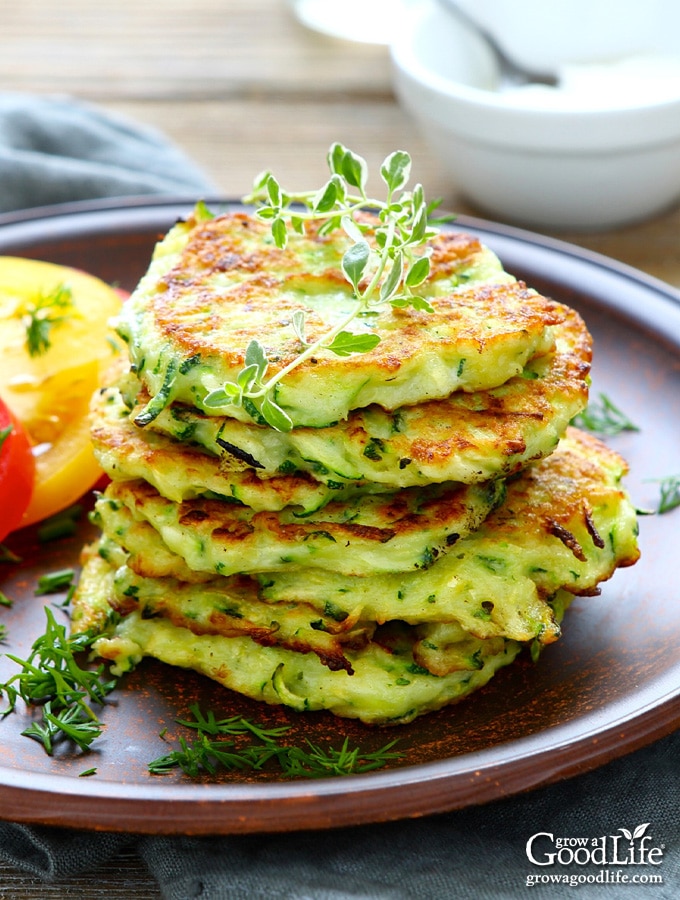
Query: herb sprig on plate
(669, 493)
(40, 316)
(237, 744)
(387, 258)
(603, 417)
(53, 680)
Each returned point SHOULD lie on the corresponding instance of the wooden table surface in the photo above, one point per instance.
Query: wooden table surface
(240, 86)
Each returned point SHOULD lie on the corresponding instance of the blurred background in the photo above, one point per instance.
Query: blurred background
(243, 85)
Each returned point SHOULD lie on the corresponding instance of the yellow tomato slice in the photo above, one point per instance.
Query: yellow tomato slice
(49, 392)
(65, 466)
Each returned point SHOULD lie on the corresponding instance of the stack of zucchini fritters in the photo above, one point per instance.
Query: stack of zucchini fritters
(429, 514)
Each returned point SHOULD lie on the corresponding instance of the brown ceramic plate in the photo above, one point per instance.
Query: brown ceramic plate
(611, 685)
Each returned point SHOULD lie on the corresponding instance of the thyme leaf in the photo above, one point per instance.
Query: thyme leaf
(346, 343)
(603, 417)
(383, 271)
(236, 743)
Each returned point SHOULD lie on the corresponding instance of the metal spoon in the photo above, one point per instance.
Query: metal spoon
(511, 73)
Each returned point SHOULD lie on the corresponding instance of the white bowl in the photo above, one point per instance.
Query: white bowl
(588, 157)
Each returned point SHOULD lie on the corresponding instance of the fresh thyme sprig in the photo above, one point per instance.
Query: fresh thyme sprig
(53, 679)
(380, 271)
(212, 750)
(41, 315)
(603, 417)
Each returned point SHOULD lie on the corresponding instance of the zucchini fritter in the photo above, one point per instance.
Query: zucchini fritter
(376, 533)
(545, 536)
(180, 470)
(230, 608)
(213, 286)
(565, 523)
(465, 437)
(387, 686)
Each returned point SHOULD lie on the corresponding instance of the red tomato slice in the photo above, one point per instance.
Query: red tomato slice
(17, 470)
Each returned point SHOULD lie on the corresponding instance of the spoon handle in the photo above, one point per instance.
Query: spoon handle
(511, 72)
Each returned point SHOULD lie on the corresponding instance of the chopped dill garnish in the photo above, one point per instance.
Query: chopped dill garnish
(52, 679)
(7, 555)
(669, 493)
(61, 579)
(603, 417)
(61, 524)
(255, 746)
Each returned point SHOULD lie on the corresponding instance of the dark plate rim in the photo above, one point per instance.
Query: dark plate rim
(455, 782)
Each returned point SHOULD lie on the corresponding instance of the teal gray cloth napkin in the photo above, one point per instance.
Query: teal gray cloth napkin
(55, 149)
(474, 854)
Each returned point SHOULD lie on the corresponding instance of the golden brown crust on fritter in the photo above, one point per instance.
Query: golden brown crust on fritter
(495, 423)
(465, 437)
(220, 284)
(197, 317)
(217, 606)
(179, 470)
(565, 524)
(386, 532)
(556, 497)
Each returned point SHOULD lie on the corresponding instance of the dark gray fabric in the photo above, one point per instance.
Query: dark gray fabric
(53, 853)
(56, 150)
(470, 854)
